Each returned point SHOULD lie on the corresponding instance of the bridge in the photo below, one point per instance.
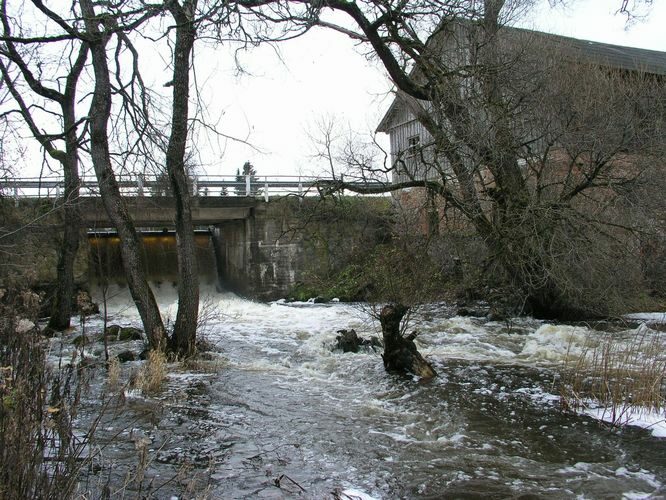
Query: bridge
(151, 186)
(214, 198)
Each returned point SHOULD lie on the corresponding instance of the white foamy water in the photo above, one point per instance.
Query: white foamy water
(556, 343)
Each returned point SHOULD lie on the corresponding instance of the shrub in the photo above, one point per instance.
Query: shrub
(40, 454)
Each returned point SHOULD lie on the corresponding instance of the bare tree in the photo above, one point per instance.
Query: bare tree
(131, 122)
(184, 335)
(65, 99)
(83, 31)
(98, 30)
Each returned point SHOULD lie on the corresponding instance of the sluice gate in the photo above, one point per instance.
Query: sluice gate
(159, 254)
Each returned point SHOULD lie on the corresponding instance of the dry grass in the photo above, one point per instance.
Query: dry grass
(618, 374)
(113, 375)
(203, 365)
(152, 374)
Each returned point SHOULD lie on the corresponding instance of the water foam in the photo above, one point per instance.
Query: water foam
(555, 343)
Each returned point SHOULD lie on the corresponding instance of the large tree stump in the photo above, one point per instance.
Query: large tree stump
(400, 353)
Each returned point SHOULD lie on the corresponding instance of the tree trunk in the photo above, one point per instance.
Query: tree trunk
(185, 328)
(100, 110)
(61, 311)
(61, 308)
(400, 353)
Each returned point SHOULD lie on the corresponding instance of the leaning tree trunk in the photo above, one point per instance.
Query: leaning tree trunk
(400, 353)
(100, 110)
(185, 328)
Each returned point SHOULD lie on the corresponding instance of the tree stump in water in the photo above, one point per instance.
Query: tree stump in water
(400, 353)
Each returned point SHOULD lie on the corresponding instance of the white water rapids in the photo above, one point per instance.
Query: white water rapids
(285, 416)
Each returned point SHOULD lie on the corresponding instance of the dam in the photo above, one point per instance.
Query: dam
(159, 254)
(238, 248)
(257, 249)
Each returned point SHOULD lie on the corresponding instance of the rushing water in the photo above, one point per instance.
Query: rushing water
(284, 416)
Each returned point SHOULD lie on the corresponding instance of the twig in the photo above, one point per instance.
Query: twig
(279, 479)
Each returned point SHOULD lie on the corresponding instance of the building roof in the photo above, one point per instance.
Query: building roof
(603, 54)
(615, 56)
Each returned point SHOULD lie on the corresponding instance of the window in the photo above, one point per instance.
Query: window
(413, 144)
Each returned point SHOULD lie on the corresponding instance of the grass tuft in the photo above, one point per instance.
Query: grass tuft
(152, 374)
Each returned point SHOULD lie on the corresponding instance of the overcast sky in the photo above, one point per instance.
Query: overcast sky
(323, 74)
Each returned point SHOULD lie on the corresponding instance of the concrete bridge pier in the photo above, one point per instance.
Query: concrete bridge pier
(257, 256)
(232, 253)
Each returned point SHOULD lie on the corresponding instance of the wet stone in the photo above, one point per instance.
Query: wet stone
(126, 356)
(123, 334)
(349, 341)
(474, 313)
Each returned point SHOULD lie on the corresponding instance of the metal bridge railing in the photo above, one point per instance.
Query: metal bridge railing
(201, 185)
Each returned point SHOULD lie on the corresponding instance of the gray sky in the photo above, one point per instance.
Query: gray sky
(322, 74)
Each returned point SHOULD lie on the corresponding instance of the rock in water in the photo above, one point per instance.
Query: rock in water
(122, 334)
(400, 353)
(125, 356)
(348, 341)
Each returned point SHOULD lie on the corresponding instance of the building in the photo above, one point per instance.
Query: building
(544, 153)
(526, 55)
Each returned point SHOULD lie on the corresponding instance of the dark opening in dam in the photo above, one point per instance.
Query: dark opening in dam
(159, 254)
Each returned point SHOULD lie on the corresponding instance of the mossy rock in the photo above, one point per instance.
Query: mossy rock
(349, 285)
(301, 292)
(130, 333)
(112, 332)
(123, 334)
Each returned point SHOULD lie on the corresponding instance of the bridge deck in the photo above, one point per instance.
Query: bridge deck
(153, 187)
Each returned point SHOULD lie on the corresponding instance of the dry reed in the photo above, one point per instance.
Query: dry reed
(113, 374)
(621, 375)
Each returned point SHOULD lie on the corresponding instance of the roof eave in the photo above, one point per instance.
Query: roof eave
(385, 123)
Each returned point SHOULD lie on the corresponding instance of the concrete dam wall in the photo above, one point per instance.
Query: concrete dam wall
(261, 255)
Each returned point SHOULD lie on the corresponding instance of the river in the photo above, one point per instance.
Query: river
(282, 415)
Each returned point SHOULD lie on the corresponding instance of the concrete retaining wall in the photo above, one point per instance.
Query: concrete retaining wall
(282, 242)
